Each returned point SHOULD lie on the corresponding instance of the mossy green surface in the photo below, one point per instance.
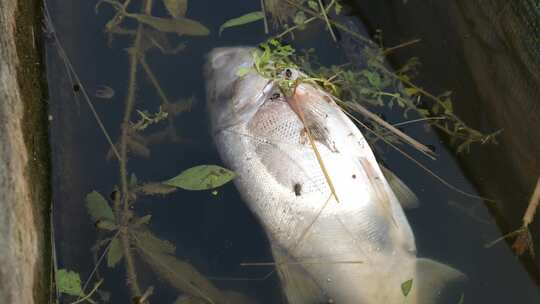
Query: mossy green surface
(32, 85)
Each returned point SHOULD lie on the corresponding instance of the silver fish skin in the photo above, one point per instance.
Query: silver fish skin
(358, 248)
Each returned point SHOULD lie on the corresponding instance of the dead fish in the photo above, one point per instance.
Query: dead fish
(359, 250)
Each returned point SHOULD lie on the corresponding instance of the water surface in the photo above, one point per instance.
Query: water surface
(216, 233)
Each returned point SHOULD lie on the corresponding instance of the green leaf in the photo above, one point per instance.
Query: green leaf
(242, 71)
(461, 299)
(406, 287)
(133, 180)
(106, 225)
(373, 77)
(435, 109)
(182, 276)
(313, 5)
(448, 107)
(423, 112)
(338, 9)
(69, 282)
(146, 240)
(98, 208)
(114, 255)
(411, 91)
(299, 18)
(201, 177)
(176, 8)
(179, 25)
(244, 19)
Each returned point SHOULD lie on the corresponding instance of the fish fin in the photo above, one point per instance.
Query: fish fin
(299, 287)
(437, 282)
(404, 194)
(381, 194)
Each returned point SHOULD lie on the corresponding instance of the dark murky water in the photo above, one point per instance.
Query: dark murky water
(216, 233)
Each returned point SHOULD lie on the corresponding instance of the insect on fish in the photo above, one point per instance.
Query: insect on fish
(356, 249)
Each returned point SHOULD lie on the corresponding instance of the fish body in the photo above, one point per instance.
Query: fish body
(348, 242)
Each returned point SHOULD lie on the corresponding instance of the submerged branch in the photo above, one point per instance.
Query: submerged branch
(90, 294)
(406, 138)
(401, 45)
(154, 80)
(121, 206)
(524, 239)
(323, 12)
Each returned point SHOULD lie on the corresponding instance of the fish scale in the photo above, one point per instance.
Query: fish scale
(357, 251)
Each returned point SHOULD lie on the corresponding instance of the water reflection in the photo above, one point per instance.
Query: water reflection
(168, 234)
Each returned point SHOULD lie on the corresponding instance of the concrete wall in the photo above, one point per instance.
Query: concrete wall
(23, 198)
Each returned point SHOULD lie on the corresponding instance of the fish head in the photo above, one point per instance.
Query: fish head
(233, 97)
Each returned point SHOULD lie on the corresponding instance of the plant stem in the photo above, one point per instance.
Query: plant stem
(323, 12)
(87, 297)
(533, 204)
(399, 124)
(409, 140)
(154, 80)
(336, 24)
(121, 205)
(292, 28)
(401, 45)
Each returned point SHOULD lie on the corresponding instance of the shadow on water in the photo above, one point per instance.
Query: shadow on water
(215, 233)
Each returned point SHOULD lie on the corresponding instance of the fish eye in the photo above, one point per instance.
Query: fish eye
(275, 96)
(297, 189)
(288, 73)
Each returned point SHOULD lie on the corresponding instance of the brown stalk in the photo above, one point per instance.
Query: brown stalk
(524, 239)
(295, 105)
(406, 138)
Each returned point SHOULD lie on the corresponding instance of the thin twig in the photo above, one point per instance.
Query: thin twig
(147, 294)
(402, 45)
(87, 297)
(263, 278)
(524, 239)
(533, 205)
(154, 80)
(300, 263)
(305, 232)
(334, 23)
(295, 105)
(323, 12)
(406, 138)
(292, 28)
(98, 262)
(408, 122)
(440, 179)
(506, 236)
